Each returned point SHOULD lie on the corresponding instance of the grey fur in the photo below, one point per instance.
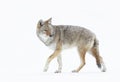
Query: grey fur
(69, 36)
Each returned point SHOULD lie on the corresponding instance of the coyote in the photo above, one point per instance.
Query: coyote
(59, 37)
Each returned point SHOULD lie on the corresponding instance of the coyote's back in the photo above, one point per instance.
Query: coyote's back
(71, 36)
(59, 37)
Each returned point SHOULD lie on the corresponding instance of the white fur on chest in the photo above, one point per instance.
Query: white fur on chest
(52, 46)
(43, 37)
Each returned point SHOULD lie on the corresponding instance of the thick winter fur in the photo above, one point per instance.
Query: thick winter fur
(60, 37)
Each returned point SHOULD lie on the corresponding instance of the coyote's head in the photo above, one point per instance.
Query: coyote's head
(45, 27)
(45, 30)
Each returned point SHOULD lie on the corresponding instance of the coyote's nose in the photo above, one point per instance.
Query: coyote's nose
(51, 35)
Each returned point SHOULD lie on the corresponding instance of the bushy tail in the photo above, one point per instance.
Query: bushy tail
(96, 43)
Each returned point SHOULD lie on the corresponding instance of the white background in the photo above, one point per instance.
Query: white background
(22, 55)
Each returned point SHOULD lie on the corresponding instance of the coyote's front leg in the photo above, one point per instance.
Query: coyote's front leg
(55, 54)
(59, 60)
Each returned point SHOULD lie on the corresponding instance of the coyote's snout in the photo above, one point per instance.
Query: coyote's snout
(59, 37)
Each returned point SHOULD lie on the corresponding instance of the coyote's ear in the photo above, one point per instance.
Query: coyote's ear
(49, 20)
(41, 22)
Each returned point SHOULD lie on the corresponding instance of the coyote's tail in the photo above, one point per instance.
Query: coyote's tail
(96, 43)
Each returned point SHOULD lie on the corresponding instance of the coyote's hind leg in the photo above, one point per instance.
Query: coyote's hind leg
(99, 60)
(82, 53)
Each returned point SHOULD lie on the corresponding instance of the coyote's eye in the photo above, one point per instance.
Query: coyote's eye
(45, 30)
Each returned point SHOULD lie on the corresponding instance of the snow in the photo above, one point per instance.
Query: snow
(22, 55)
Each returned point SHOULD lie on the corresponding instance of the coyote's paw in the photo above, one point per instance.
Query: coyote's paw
(74, 71)
(57, 71)
(103, 69)
(45, 70)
